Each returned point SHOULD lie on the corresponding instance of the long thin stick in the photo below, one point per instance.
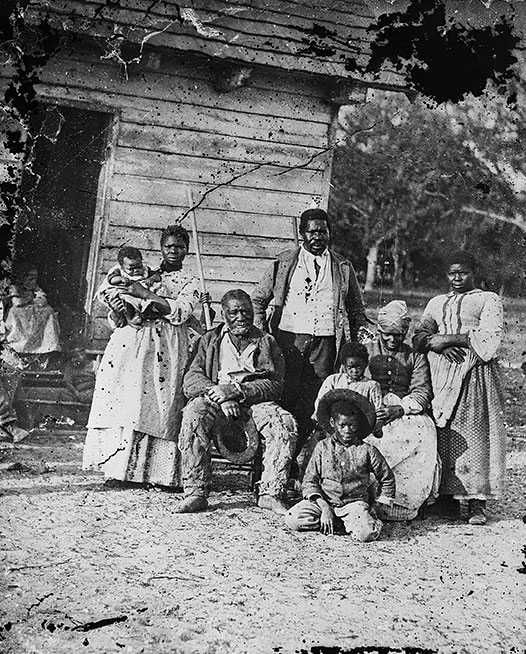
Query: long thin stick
(206, 308)
(295, 230)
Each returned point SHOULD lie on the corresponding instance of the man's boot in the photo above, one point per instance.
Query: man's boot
(192, 504)
(477, 512)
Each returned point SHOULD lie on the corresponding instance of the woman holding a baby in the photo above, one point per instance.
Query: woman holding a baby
(135, 414)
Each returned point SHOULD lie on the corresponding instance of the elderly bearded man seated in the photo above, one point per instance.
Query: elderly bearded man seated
(236, 368)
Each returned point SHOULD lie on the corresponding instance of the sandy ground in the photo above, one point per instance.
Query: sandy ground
(94, 570)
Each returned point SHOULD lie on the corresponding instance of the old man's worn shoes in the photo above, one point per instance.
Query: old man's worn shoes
(272, 503)
(192, 504)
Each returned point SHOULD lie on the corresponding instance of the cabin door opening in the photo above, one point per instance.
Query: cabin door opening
(60, 187)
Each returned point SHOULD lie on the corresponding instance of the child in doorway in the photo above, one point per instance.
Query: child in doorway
(31, 324)
(337, 485)
(130, 269)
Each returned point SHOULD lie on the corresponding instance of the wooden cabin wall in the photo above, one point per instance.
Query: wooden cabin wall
(328, 37)
(255, 158)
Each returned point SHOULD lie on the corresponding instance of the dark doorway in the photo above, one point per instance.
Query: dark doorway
(59, 187)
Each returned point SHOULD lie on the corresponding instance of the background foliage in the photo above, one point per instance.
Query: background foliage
(412, 181)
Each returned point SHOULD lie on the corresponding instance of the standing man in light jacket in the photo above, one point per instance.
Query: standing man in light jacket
(318, 305)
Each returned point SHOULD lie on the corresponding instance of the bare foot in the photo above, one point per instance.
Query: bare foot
(272, 503)
(16, 432)
(192, 504)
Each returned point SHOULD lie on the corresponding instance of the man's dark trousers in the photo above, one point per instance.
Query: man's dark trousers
(308, 361)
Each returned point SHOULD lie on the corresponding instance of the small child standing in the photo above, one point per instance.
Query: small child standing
(337, 483)
(130, 269)
(354, 359)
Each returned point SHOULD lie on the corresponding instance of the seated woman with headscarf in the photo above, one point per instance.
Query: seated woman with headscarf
(409, 442)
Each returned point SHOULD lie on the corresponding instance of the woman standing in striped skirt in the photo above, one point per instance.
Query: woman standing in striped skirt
(461, 332)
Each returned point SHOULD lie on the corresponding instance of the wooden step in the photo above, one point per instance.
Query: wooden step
(57, 403)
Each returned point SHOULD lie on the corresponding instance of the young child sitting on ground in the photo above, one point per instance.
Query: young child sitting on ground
(337, 484)
(130, 269)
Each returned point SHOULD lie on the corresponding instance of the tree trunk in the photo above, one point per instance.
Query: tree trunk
(397, 266)
(372, 260)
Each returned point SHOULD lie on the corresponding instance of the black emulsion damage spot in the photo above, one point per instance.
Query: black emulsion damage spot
(441, 59)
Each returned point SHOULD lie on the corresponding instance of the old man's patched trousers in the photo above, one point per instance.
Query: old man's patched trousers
(201, 418)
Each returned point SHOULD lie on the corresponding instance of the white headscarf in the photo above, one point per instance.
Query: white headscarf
(394, 318)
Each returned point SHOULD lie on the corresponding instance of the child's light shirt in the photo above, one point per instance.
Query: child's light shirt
(365, 386)
(341, 474)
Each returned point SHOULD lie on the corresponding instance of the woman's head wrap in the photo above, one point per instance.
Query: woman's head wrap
(394, 318)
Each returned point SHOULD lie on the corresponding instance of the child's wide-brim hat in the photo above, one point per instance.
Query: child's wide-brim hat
(361, 403)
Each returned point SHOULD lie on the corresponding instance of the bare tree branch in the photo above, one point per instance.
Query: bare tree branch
(361, 129)
(362, 212)
(518, 220)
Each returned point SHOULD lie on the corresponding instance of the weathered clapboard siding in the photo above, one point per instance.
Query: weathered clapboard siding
(287, 19)
(156, 63)
(141, 190)
(220, 120)
(211, 221)
(217, 146)
(143, 82)
(248, 33)
(180, 167)
(256, 19)
(143, 111)
(274, 34)
(220, 244)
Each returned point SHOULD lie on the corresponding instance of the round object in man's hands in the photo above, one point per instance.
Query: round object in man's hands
(238, 440)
